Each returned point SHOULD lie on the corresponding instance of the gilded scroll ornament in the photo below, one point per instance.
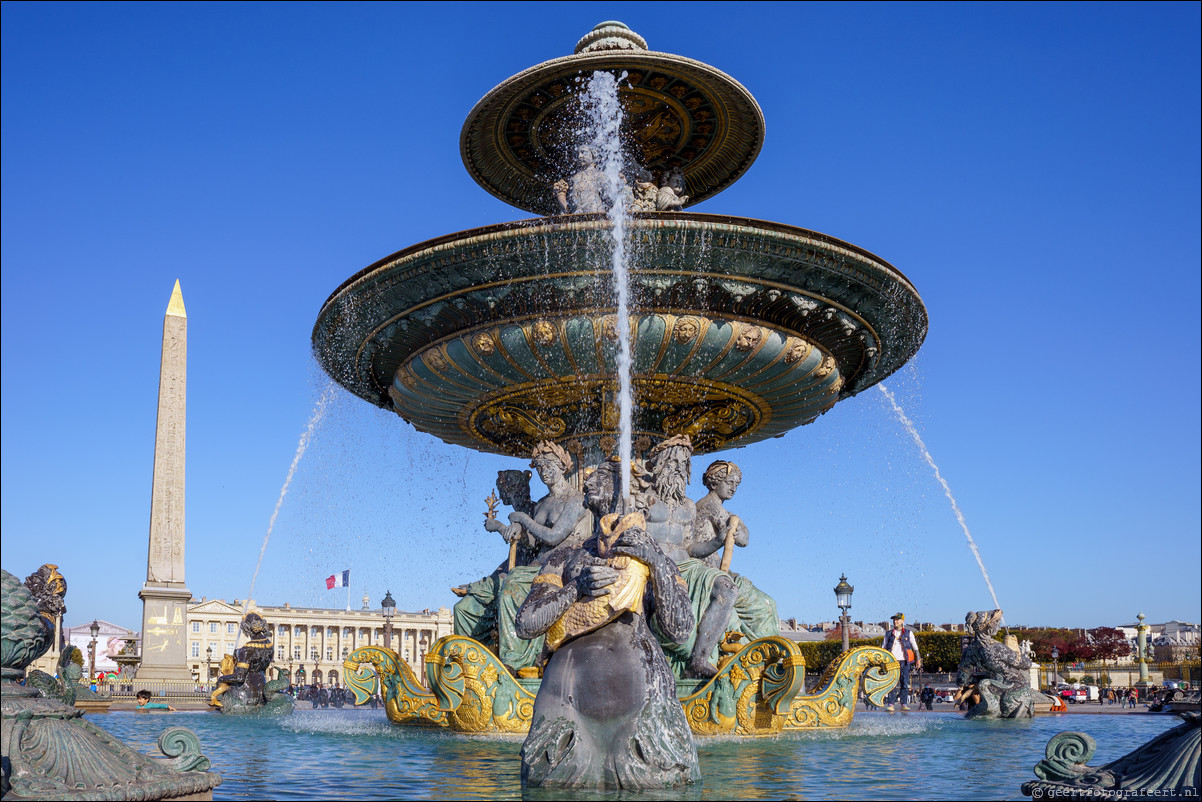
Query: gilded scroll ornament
(834, 704)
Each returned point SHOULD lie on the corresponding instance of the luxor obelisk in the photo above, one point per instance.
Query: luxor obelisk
(164, 596)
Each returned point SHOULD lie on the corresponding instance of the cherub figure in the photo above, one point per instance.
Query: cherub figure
(671, 197)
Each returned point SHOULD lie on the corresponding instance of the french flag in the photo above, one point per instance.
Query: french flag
(342, 580)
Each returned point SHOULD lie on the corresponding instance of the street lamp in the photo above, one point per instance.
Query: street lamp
(209, 663)
(389, 607)
(843, 593)
(95, 630)
(1055, 666)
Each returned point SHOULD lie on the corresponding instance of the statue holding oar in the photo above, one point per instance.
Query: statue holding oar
(714, 528)
(476, 612)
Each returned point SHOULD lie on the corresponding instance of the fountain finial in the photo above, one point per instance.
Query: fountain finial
(610, 35)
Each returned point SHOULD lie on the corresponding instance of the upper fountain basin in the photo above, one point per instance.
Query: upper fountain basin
(498, 337)
(678, 114)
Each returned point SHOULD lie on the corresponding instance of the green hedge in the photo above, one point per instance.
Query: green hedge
(940, 651)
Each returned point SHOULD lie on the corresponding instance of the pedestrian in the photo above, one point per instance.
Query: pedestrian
(927, 697)
(901, 643)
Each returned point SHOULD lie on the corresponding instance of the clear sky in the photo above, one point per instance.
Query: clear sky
(1032, 168)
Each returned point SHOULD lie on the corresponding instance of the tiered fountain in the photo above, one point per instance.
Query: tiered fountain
(505, 338)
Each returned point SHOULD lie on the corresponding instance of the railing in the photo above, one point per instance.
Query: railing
(119, 688)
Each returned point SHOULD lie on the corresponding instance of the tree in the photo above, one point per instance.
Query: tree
(1109, 643)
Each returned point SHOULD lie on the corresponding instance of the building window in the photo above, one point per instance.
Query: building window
(196, 648)
(345, 652)
(279, 653)
(329, 654)
(213, 627)
(231, 628)
(283, 629)
(296, 653)
(313, 655)
(196, 626)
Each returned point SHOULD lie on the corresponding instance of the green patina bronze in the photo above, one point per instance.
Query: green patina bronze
(49, 750)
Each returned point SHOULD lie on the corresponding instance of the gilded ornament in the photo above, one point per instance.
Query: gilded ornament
(796, 350)
(826, 368)
(686, 329)
(435, 360)
(484, 343)
(749, 337)
(544, 333)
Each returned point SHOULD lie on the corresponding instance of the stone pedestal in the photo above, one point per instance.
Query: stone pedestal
(164, 633)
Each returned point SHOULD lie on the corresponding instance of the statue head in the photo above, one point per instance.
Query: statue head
(551, 460)
(585, 155)
(514, 486)
(670, 466)
(984, 623)
(675, 180)
(48, 588)
(722, 478)
(603, 488)
(254, 627)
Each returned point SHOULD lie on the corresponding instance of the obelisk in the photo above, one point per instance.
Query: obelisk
(164, 596)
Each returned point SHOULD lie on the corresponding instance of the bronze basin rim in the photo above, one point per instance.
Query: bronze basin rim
(559, 220)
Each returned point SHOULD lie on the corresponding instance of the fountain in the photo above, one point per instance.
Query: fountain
(619, 323)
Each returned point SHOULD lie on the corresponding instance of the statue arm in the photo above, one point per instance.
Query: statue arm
(547, 601)
(673, 610)
(565, 522)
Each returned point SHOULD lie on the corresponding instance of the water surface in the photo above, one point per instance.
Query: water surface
(357, 754)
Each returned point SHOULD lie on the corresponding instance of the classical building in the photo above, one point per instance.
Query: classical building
(314, 639)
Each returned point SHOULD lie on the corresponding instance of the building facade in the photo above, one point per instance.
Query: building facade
(310, 642)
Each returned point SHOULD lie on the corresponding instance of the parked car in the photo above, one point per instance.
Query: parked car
(1072, 695)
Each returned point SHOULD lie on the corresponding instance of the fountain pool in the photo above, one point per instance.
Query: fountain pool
(357, 754)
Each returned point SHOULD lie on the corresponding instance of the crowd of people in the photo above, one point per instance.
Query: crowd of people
(320, 696)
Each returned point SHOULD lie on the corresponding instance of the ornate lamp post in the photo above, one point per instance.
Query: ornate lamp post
(300, 677)
(208, 663)
(1055, 667)
(95, 630)
(389, 607)
(1141, 641)
(843, 593)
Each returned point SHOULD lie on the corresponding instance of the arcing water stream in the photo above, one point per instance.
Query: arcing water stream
(315, 418)
(604, 132)
(947, 491)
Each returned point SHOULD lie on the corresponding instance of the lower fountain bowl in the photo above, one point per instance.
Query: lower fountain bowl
(499, 337)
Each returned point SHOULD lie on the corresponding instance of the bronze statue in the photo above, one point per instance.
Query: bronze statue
(558, 517)
(582, 193)
(606, 715)
(712, 592)
(475, 615)
(993, 678)
(671, 197)
(716, 533)
(243, 686)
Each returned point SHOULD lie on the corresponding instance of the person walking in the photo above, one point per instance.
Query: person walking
(901, 643)
(927, 697)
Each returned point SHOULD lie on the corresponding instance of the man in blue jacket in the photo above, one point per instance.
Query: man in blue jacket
(901, 643)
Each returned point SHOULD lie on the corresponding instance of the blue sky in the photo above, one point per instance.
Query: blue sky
(1033, 169)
